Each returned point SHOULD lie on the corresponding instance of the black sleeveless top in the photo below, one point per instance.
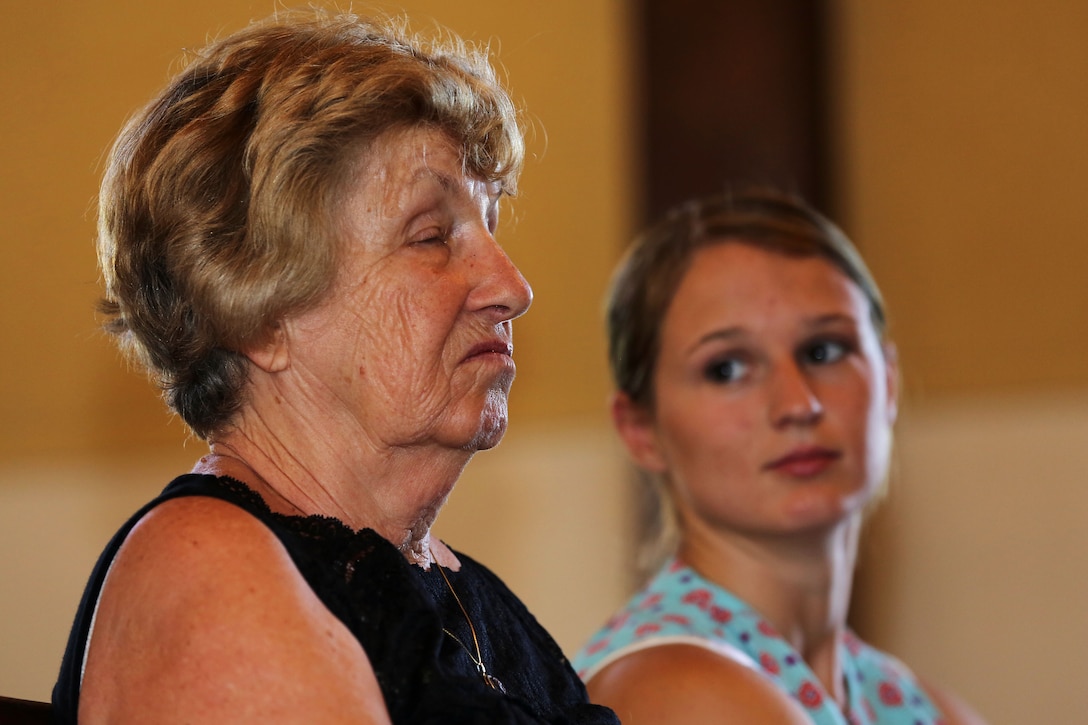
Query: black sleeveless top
(397, 611)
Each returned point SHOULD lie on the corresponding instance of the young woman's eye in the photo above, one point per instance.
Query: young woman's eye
(824, 352)
(725, 371)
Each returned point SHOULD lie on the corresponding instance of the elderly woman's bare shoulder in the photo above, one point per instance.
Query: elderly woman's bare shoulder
(204, 616)
(691, 684)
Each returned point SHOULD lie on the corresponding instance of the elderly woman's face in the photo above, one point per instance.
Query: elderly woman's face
(773, 395)
(414, 346)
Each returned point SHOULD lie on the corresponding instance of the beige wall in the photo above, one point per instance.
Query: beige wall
(974, 572)
(963, 140)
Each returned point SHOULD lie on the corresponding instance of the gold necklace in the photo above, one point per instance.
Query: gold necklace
(489, 679)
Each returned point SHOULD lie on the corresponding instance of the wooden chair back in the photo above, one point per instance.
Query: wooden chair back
(14, 711)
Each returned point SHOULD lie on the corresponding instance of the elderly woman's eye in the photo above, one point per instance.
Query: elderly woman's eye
(824, 352)
(725, 371)
(431, 236)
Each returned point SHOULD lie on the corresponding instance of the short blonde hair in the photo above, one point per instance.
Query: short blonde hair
(218, 211)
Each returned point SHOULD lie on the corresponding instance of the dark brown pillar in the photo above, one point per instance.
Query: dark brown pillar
(734, 93)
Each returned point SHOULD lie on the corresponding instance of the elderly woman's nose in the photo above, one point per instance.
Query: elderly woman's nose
(499, 284)
(793, 399)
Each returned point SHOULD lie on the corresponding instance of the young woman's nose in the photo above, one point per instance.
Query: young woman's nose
(793, 399)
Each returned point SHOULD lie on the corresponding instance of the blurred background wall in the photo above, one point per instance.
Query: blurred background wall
(961, 135)
(949, 139)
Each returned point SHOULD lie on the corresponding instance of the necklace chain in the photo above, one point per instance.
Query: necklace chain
(490, 680)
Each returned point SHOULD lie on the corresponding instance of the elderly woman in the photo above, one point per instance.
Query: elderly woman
(758, 390)
(297, 239)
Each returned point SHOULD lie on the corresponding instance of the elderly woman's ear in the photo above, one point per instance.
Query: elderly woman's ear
(270, 353)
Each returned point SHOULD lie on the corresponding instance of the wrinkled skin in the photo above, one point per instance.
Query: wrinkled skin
(368, 406)
(391, 352)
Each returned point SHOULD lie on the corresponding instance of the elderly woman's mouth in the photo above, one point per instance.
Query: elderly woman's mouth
(499, 349)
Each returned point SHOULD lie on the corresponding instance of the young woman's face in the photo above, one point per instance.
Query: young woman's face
(774, 397)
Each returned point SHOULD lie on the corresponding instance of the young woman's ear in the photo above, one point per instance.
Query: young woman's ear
(635, 425)
(271, 353)
(891, 371)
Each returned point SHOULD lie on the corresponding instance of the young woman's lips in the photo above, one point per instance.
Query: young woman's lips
(804, 462)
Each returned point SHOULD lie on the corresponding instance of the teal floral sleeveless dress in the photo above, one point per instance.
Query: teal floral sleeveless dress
(680, 606)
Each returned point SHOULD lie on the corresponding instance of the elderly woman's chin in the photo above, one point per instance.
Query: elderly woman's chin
(491, 423)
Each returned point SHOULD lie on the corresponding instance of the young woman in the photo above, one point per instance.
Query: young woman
(757, 388)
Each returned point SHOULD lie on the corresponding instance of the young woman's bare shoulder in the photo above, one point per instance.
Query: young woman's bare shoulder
(691, 684)
(204, 616)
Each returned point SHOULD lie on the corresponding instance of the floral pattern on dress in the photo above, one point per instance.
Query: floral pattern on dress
(678, 602)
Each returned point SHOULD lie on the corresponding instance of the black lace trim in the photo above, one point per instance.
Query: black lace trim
(345, 545)
(396, 612)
